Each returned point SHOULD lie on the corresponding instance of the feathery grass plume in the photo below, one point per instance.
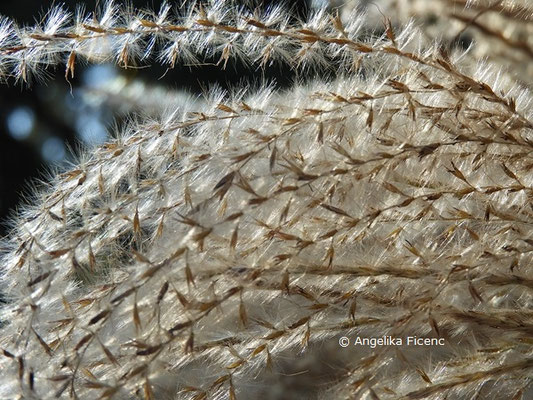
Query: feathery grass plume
(501, 32)
(221, 250)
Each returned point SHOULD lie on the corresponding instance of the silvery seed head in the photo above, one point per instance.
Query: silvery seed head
(226, 248)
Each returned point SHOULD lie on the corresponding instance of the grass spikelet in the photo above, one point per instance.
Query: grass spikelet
(387, 196)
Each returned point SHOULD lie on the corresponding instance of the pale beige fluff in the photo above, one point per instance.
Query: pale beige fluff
(221, 250)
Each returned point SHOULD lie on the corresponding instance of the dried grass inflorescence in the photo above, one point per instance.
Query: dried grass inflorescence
(220, 251)
(499, 31)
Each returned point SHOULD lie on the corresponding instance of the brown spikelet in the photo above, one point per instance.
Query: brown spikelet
(38, 279)
(136, 222)
(45, 346)
(306, 336)
(123, 295)
(92, 258)
(258, 350)
(70, 65)
(83, 341)
(148, 392)
(474, 292)
(109, 355)
(101, 184)
(58, 253)
(329, 256)
(162, 292)
(98, 317)
(200, 396)
(234, 238)
(226, 181)
(231, 393)
(219, 381)
(285, 282)
(189, 344)
(236, 364)
(243, 316)
(136, 317)
(353, 308)
(141, 257)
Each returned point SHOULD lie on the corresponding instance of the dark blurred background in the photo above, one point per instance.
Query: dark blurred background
(45, 125)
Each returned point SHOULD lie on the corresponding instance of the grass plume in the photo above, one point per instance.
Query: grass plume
(220, 250)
